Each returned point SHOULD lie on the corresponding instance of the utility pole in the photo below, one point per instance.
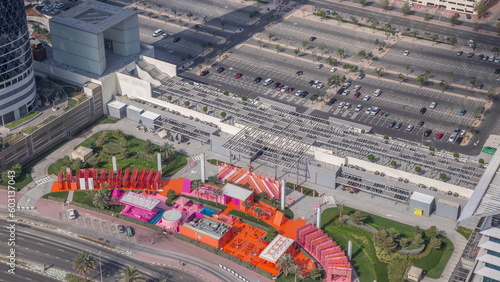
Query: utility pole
(100, 266)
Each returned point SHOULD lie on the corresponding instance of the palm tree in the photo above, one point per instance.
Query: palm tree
(83, 263)
(246, 204)
(130, 274)
(258, 212)
(260, 43)
(196, 185)
(295, 271)
(285, 263)
(100, 198)
(167, 148)
(217, 192)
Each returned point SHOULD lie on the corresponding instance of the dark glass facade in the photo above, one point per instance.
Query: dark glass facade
(17, 86)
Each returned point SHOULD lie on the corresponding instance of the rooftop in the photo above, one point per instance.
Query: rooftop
(150, 115)
(237, 192)
(276, 248)
(117, 104)
(209, 227)
(93, 16)
(416, 196)
(140, 201)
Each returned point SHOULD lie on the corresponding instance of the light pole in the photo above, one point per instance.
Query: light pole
(100, 267)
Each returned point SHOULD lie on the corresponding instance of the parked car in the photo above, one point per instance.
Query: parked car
(439, 135)
(470, 55)
(377, 92)
(257, 79)
(331, 101)
(459, 53)
(333, 69)
(347, 84)
(121, 228)
(406, 53)
(420, 123)
(238, 75)
(462, 112)
(392, 124)
(129, 231)
(341, 105)
(427, 133)
(459, 139)
(357, 87)
(347, 106)
(311, 82)
(368, 111)
(433, 105)
(357, 94)
(267, 82)
(203, 73)
(346, 92)
(299, 72)
(410, 127)
(312, 38)
(163, 36)
(423, 110)
(71, 214)
(398, 125)
(366, 98)
(361, 75)
(318, 66)
(358, 108)
(452, 138)
(176, 39)
(220, 69)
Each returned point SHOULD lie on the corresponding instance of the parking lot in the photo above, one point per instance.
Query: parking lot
(189, 46)
(440, 61)
(296, 30)
(101, 227)
(233, 14)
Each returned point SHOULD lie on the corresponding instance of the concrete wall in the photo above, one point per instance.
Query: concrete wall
(125, 37)
(427, 209)
(145, 76)
(216, 143)
(448, 211)
(132, 86)
(169, 69)
(326, 156)
(134, 115)
(64, 126)
(78, 48)
(62, 74)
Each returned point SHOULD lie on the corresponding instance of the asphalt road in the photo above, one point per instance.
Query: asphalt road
(57, 250)
(22, 274)
(401, 20)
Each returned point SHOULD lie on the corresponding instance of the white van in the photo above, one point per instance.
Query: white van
(157, 32)
(267, 82)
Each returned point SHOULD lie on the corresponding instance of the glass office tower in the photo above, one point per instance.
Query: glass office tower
(17, 80)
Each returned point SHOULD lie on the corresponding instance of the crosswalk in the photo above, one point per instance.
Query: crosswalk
(43, 180)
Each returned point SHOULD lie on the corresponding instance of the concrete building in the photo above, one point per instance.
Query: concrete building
(461, 6)
(17, 80)
(86, 35)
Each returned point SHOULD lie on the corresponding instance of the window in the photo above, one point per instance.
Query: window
(496, 240)
(487, 279)
(493, 253)
(492, 266)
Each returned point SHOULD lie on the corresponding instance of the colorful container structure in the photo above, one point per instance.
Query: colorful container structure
(326, 252)
(206, 229)
(139, 206)
(171, 220)
(258, 182)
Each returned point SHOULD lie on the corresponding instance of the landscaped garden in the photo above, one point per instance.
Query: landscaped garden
(129, 151)
(382, 248)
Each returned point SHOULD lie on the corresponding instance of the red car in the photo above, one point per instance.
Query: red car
(357, 94)
(290, 90)
(280, 86)
(439, 135)
(238, 75)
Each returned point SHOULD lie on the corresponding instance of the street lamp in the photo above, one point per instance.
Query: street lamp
(100, 267)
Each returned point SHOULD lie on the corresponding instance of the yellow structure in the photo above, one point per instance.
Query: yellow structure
(418, 211)
(414, 274)
(82, 153)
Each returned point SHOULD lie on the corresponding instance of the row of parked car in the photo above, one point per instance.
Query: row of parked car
(128, 230)
(50, 7)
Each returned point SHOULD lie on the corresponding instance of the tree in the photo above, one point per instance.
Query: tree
(404, 242)
(481, 161)
(165, 17)
(131, 274)
(100, 198)
(434, 38)
(406, 9)
(388, 244)
(422, 79)
(314, 56)
(433, 231)
(454, 19)
(402, 77)
(385, 4)
(362, 53)
(322, 47)
(435, 243)
(418, 240)
(171, 194)
(427, 17)
(174, 11)
(217, 193)
(77, 164)
(418, 169)
(370, 157)
(260, 43)
(304, 44)
(341, 52)
(169, 98)
(373, 22)
(196, 186)
(450, 76)
(295, 271)
(149, 147)
(393, 233)
(315, 274)
(186, 103)
(432, 149)
(442, 176)
(205, 20)
(247, 205)
(222, 24)
(83, 263)
(258, 212)
(167, 148)
(296, 51)
(278, 48)
(416, 230)
(354, 20)
(379, 237)
(456, 155)
(453, 40)
(322, 14)
(223, 114)
(379, 71)
(358, 218)
(393, 163)
(481, 8)
(331, 61)
(473, 80)
(285, 262)
(362, 2)
(270, 36)
(150, 14)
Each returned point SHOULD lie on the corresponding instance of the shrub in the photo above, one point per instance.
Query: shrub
(225, 93)
(481, 161)
(418, 169)
(442, 176)
(370, 157)
(432, 149)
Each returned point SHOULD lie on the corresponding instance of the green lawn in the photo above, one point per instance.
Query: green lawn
(81, 197)
(22, 120)
(72, 102)
(107, 120)
(55, 167)
(436, 261)
(63, 195)
(69, 90)
(466, 232)
(364, 259)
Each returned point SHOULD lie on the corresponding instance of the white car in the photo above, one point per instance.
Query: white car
(375, 111)
(285, 88)
(357, 87)
(497, 60)
(347, 84)
(452, 138)
(341, 105)
(318, 66)
(347, 106)
(433, 105)
(471, 43)
(319, 86)
(492, 59)
(368, 111)
(367, 98)
(406, 53)
(267, 82)
(333, 69)
(409, 128)
(377, 92)
(358, 108)
(71, 214)
(346, 92)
